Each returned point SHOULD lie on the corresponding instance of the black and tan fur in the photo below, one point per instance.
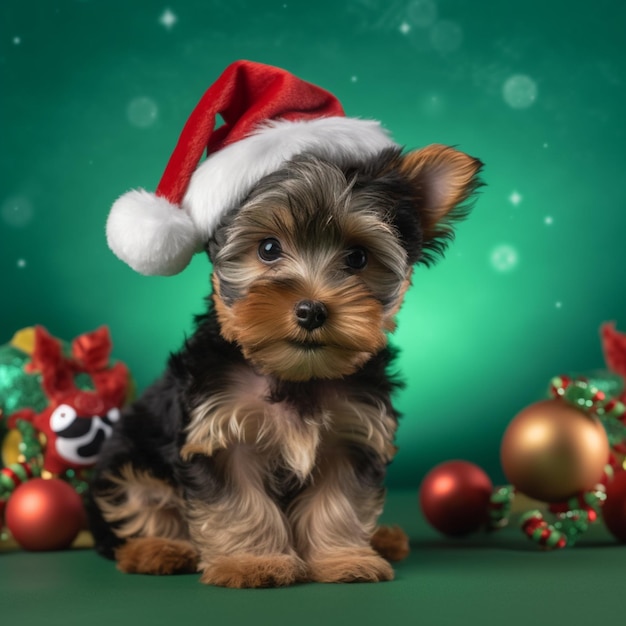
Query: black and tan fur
(259, 457)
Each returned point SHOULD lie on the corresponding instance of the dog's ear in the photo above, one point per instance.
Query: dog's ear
(443, 180)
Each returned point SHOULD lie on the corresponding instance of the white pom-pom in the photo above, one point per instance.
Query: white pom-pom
(152, 235)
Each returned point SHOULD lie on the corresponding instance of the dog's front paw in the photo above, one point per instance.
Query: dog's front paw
(391, 542)
(156, 555)
(251, 570)
(350, 566)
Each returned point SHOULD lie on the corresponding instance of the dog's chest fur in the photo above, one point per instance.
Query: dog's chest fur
(292, 426)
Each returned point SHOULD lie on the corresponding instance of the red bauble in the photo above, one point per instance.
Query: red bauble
(44, 514)
(454, 497)
(614, 509)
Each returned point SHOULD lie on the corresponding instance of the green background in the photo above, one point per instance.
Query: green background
(94, 95)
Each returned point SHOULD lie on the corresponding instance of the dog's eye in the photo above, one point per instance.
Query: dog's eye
(356, 258)
(270, 250)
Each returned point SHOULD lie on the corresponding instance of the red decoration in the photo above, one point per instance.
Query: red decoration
(44, 514)
(614, 509)
(454, 497)
(246, 95)
(76, 421)
(614, 348)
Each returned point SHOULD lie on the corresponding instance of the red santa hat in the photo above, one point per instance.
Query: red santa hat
(269, 117)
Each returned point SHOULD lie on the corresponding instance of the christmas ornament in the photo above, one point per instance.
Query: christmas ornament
(614, 348)
(75, 421)
(500, 504)
(574, 515)
(581, 393)
(20, 382)
(552, 450)
(12, 476)
(584, 417)
(560, 526)
(66, 399)
(614, 509)
(44, 514)
(572, 519)
(454, 497)
(27, 465)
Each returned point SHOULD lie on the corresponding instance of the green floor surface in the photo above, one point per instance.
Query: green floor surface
(498, 579)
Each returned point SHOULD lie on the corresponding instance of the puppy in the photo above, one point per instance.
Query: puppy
(259, 457)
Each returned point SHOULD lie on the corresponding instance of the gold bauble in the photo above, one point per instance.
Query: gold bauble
(551, 451)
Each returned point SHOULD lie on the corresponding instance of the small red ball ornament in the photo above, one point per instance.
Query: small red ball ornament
(614, 509)
(44, 514)
(454, 497)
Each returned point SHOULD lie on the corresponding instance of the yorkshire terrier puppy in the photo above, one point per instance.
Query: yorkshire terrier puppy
(259, 457)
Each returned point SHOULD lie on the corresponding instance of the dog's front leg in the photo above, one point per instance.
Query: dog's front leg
(334, 519)
(242, 536)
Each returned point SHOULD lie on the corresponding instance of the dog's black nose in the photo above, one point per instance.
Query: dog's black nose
(311, 314)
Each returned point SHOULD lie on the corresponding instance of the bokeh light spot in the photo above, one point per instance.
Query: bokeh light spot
(504, 258)
(17, 211)
(142, 112)
(432, 104)
(422, 13)
(519, 91)
(168, 19)
(446, 36)
(515, 198)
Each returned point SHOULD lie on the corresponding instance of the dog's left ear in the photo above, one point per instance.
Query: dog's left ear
(443, 180)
